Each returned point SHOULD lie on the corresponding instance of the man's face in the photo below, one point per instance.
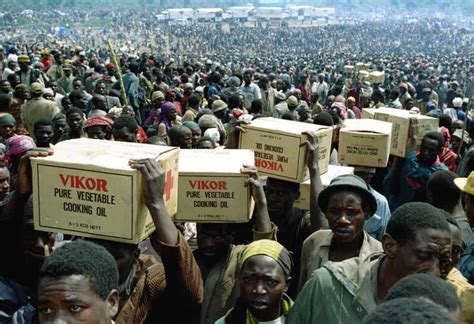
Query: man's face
(345, 216)
(96, 132)
(58, 59)
(54, 86)
(100, 89)
(125, 256)
(14, 80)
(280, 198)
(124, 135)
(158, 102)
(24, 66)
(262, 284)
(426, 253)
(60, 126)
(456, 250)
(44, 134)
(75, 122)
(23, 93)
(77, 85)
(426, 96)
(196, 134)
(428, 151)
(247, 78)
(171, 114)
(67, 72)
(185, 141)
(7, 130)
(81, 102)
(213, 242)
(71, 299)
(5, 87)
(4, 183)
(48, 96)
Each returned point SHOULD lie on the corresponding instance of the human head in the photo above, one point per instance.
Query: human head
(48, 94)
(100, 88)
(457, 246)
(324, 119)
(24, 62)
(466, 185)
(99, 127)
(87, 272)
(417, 239)
(66, 103)
(60, 125)
(205, 142)
(100, 102)
(75, 120)
(427, 286)
(431, 147)
(281, 196)
(5, 86)
(77, 85)
(125, 129)
(265, 269)
(441, 190)
(78, 99)
(409, 311)
(36, 89)
(14, 80)
(7, 125)
(195, 130)
(193, 101)
(44, 132)
(4, 183)
(213, 240)
(347, 203)
(180, 136)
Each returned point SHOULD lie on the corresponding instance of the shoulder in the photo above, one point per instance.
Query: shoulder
(317, 238)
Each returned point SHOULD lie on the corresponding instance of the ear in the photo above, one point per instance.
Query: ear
(113, 302)
(390, 246)
(288, 282)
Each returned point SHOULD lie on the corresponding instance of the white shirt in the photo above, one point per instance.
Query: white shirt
(279, 320)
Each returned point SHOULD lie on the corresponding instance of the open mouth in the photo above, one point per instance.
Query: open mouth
(258, 304)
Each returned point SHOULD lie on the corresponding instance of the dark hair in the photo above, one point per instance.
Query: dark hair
(445, 121)
(87, 259)
(288, 116)
(442, 191)
(126, 121)
(234, 101)
(206, 139)
(323, 118)
(75, 94)
(437, 137)
(409, 219)
(409, 311)
(5, 100)
(256, 106)
(193, 101)
(59, 116)
(426, 285)
(43, 122)
(293, 186)
(74, 110)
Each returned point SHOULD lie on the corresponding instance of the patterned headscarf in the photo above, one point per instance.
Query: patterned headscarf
(18, 145)
(165, 108)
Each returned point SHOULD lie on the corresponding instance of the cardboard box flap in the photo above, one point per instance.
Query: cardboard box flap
(288, 126)
(215, 161)
(106, 154)
(401, 113)
(367, 126)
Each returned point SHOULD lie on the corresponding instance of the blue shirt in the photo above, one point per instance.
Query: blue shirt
(408, 182)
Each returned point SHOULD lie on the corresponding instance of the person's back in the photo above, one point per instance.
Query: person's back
(37, 108)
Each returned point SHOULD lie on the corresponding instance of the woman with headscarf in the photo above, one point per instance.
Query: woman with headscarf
(265, 268)
(15, 147)
(168, 118)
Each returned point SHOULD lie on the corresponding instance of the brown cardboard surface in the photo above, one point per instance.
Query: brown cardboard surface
(401, 127)
(211, 187)
(333, 172)
(376, 77)
(277, 146)
(365, 142)
(368, 113)
(88, 189)
(349, 68)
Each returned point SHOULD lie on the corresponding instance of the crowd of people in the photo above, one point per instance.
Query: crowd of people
(384, 245)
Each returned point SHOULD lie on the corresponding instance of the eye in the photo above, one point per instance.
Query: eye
(272, 282)
(247, 279)
(45, 310)
(424, 256)
(75, 308)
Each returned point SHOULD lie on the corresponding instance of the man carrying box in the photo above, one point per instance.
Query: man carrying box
(407, 178)
(149, 290)
(218, 259)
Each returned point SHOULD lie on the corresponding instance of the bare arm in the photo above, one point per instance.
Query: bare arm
(318, 220)
(153, 185)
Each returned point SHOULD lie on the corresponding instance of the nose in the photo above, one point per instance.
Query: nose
(343, 220)
(259, 289)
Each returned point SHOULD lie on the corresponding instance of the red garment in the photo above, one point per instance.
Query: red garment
(141, 135)
(449, 158)
(353, 93)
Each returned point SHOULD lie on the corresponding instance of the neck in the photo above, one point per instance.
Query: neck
(349, 247)
(387, 277)
(270, 314)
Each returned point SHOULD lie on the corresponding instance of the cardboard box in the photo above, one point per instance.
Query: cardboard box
(365, 142)
(359, 66)
(401, 127)
(368, 113)
(276, 143)
(88, 189)
(333, 172)
(349, 69)
(211, 187)
(363, 75)
(376, 77)
(367, 66)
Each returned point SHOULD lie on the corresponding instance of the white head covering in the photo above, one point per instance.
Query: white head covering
(213, 133)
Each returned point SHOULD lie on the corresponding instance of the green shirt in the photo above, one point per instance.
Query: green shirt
(339, 292)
